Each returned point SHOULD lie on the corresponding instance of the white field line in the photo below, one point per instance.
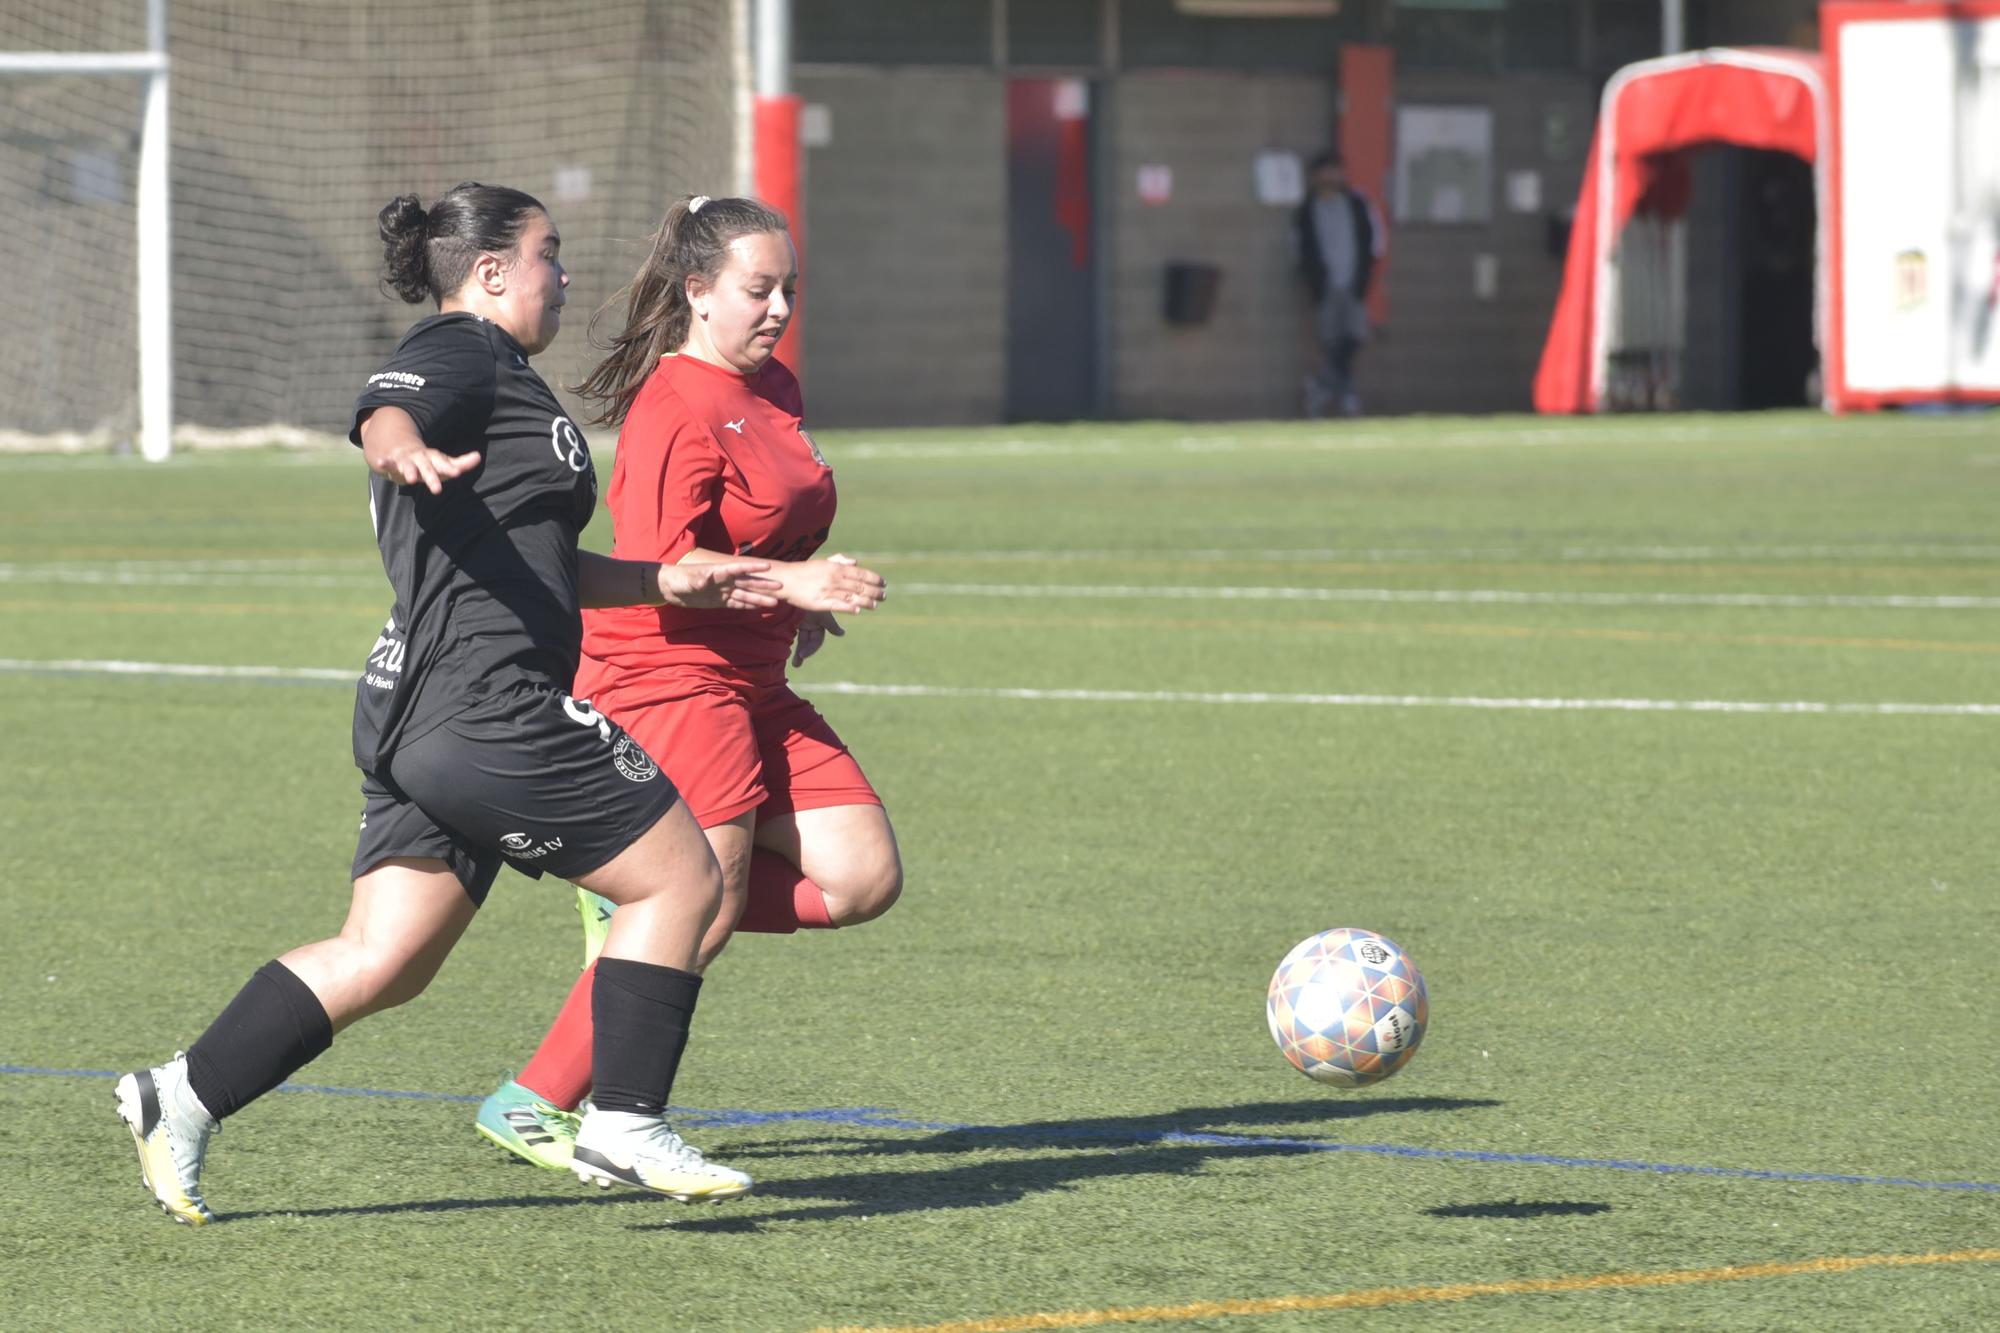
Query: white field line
(204, 671)
(220, 574)
(1594, 435)
(1439, 596)
(315, 448)
(1400, 554)
(191, 670)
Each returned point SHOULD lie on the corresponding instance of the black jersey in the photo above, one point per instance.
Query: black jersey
(484, 574)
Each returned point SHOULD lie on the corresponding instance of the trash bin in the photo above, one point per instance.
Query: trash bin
(1191, 292)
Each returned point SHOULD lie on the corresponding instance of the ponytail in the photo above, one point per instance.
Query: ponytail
(692, 240)
(430, 252)
(404, 267)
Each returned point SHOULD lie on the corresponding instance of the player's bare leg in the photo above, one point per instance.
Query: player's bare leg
(732, 842)
(849, 851)
(405, 916)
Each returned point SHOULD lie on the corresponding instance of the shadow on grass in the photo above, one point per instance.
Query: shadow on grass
(592, 1200)
(1171, 1143)
(1175, 1143)
(1517, 1208)
(1194, 1122)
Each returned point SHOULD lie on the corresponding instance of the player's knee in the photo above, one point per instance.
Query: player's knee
(390, 978)
(706, 885)
(871, 892)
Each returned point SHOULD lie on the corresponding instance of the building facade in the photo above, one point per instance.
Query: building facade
(999, 194)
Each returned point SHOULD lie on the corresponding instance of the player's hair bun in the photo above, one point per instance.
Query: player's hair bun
(405, 262)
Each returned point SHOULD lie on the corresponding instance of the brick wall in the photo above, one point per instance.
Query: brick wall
(1248, 360)
(1444, 349)
(905, 271)
(906, 266)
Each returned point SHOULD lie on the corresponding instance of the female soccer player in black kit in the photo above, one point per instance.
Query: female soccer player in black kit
(472, 752)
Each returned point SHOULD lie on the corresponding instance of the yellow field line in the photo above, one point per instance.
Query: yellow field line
(1377, 1297)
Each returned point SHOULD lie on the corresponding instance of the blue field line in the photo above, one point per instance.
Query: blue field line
(873, 1117)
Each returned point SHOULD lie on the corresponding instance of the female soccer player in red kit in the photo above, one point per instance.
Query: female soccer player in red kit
(713, 464)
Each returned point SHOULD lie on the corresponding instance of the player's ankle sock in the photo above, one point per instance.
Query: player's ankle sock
(781, 899)
(559, 1073)
(640, 1014)
(273, 1028)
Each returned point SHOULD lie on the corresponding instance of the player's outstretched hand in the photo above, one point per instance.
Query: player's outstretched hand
(738, 585)
(814, 626)
(836, 583)
(420, 465)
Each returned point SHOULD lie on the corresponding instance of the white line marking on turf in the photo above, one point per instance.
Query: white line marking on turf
(1594, 435)
(1402, 700)
(200, 670)
(195, 670)
(123, 576)
(220, 574)
(1398, 554)
(1492, 596)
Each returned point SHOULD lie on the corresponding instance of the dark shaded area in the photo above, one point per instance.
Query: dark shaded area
(1171, 1143)
(1517, 1208)
(1167, 1144)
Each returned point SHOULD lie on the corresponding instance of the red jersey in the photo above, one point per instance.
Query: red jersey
(712, 459)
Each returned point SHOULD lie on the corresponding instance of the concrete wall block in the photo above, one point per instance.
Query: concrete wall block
(906, 260)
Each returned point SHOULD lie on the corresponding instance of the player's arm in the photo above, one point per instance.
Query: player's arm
(830, 583)
(740, 585)
(394, 448)
(672, 482)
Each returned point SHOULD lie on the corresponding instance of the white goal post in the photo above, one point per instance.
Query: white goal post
(154, 279)
(293, 123)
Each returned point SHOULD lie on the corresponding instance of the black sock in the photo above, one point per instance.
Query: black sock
(274, 1027)
(639, 1014)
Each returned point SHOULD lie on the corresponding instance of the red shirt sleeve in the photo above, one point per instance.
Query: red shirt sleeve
(667, 480)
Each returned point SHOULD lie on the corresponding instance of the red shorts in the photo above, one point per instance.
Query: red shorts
(731, 743)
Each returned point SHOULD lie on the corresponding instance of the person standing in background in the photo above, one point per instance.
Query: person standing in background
(1340, 237)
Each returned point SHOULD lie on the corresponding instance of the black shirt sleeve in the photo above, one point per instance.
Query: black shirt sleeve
(442, 375)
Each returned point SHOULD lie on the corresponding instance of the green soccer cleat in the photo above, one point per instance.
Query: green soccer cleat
(596, 913)
(528, 1127)
(171, 1129)
(616, 1148)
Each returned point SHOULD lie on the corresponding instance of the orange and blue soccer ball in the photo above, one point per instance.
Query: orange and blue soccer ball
(1347, 1007)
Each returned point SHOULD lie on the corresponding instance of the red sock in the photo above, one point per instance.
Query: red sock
(560, 1072)
(781, 898)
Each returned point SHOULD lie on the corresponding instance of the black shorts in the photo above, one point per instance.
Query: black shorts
(528, 777)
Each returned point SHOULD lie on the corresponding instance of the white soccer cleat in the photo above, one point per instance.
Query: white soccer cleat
(171, 1129)
(616, 1148)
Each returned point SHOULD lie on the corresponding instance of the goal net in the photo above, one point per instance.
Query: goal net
(291, 123)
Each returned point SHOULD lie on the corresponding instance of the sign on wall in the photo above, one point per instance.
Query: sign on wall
(1444, 164)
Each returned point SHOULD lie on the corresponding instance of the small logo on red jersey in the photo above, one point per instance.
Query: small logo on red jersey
(818, 457)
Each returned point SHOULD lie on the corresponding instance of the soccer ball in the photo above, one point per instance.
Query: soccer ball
(1347, 1007)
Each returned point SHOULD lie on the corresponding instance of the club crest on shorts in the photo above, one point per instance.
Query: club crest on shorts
(632, 761)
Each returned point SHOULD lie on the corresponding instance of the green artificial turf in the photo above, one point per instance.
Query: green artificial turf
(1179, 696)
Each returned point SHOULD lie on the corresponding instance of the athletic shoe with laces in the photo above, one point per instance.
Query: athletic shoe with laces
(171, 1128)
(527, 1126)
(617, 1148)
(596, 913)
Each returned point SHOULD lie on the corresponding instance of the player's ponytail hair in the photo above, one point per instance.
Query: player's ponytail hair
(430, 252)
(692, 240)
